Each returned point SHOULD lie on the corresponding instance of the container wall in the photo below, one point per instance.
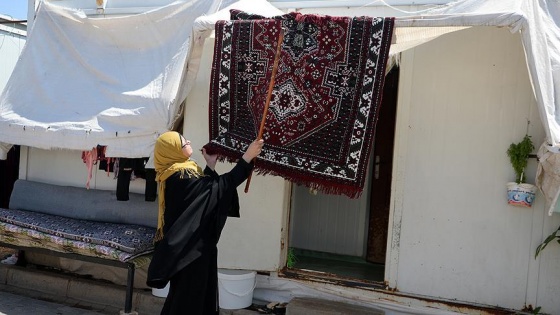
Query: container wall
(470, 97)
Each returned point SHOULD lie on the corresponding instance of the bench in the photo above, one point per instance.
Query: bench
(83, 224)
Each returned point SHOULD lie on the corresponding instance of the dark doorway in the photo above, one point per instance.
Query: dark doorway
(9, 172)
(381, 174)
(335, 236)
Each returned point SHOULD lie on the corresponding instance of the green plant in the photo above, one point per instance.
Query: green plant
(518, 156)
(549, 239)
(291, 258)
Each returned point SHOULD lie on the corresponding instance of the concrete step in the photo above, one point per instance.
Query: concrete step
(307, 306)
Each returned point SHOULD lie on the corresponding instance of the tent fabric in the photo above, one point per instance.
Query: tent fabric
(150, 88)
(40, 84)
(86, 81)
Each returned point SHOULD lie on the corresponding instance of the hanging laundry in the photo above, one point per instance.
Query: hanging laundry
(130, 169)
(105, 163)
(320, 125)
(90, 159)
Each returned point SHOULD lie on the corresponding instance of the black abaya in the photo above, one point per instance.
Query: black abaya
(195, 214)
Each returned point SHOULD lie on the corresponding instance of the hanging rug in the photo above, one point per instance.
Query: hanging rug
(320, 124)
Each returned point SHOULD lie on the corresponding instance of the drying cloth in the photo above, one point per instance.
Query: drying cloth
(321, 121)
(548, 178)
(90, 159)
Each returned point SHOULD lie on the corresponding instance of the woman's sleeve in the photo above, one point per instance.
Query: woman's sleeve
(239, 173)
(210, 172)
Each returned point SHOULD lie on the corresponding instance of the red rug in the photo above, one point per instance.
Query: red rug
(321, 120)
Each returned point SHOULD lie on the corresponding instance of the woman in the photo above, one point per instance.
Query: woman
(193, 206)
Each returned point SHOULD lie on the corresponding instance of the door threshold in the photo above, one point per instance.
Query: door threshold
(326, 277)
(402, 299)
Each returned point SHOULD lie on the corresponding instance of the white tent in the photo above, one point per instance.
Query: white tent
(123, 62)
(85, 81)
(118, 81)
(126, 61)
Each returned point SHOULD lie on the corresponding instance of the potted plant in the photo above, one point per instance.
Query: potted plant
(519, 192)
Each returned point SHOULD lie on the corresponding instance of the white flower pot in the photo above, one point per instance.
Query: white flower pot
(521, 195)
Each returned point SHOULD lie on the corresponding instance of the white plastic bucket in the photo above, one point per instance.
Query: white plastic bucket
(161, 292)
(235, 288)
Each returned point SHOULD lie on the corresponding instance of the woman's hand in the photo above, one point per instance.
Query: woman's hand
(210, 159)
(253, 150)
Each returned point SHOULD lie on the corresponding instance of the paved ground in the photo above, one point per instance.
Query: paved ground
(31, 291)
(17, 303)
(14, 304)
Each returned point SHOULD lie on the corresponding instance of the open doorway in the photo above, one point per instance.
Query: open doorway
(347, 238)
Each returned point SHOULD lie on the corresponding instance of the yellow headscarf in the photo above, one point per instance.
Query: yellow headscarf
(169, 159)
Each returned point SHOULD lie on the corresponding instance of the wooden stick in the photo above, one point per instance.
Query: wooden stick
(268, 97)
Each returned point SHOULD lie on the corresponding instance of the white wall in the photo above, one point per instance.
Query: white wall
(464, 98)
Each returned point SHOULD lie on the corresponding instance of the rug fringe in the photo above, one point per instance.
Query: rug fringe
(326, 186)
(316, 19)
